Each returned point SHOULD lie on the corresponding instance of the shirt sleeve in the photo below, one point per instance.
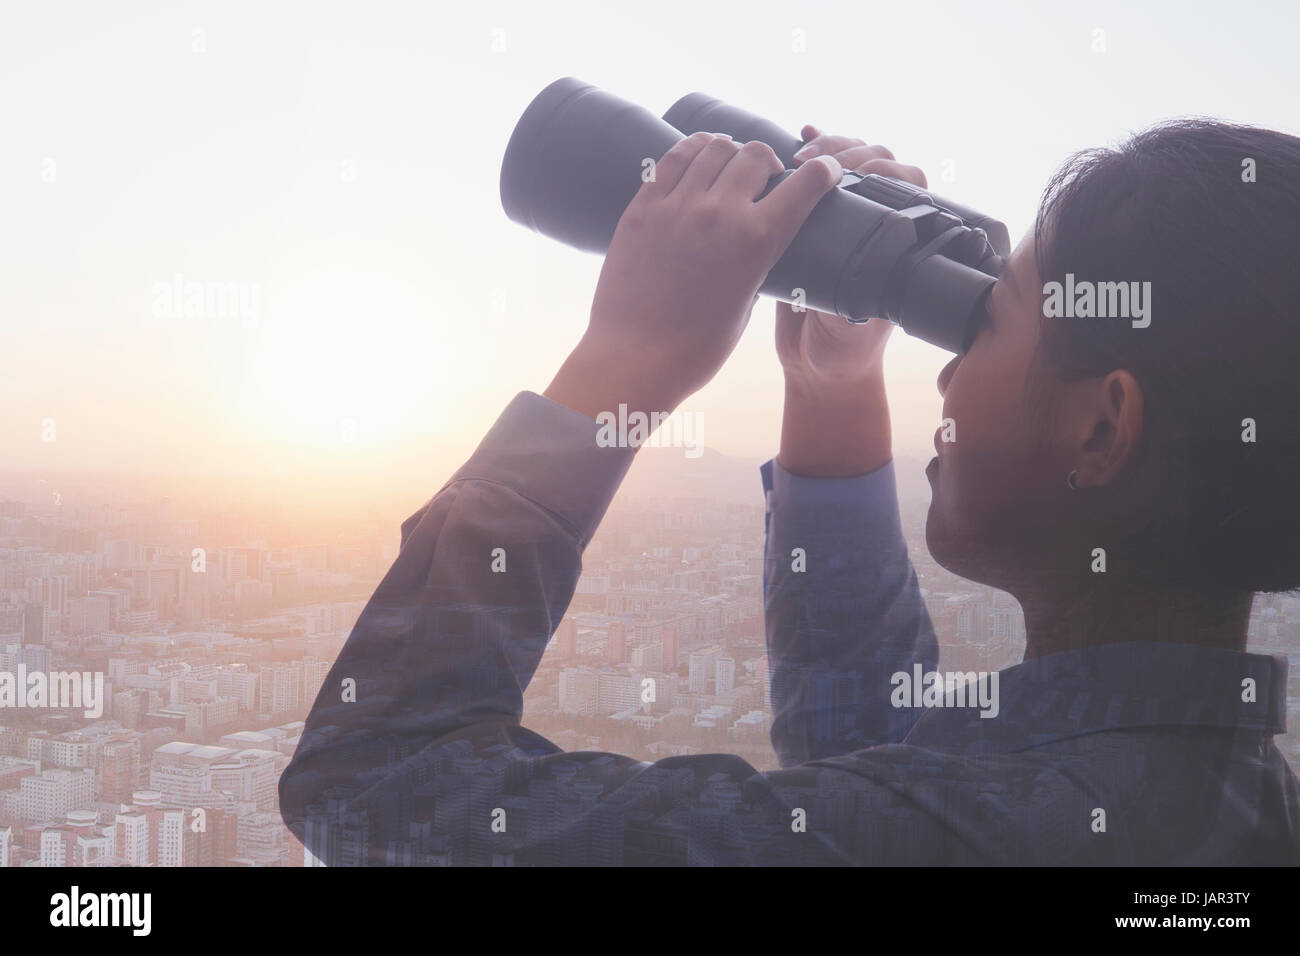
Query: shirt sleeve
(456, 628)
(843, 612)
(414, 752)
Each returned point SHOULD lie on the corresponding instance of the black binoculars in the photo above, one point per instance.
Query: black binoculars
(874, 247)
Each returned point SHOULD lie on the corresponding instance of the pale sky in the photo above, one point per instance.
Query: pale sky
(342, 159)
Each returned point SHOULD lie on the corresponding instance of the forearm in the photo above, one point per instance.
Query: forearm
(599, 375)
(843, 613)
(835, 431)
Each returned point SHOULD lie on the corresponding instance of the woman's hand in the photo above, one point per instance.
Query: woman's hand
(836, 418)
(822, 351)
(682, 273)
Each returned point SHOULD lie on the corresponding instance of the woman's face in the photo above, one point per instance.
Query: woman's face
(998, 480)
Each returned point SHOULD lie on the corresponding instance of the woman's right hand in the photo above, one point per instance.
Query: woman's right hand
(820, 351)
(836, 418)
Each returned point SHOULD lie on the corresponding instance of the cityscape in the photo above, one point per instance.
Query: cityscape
(209, 628)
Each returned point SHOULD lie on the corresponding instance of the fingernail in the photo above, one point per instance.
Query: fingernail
(808, 152)
(837, 171)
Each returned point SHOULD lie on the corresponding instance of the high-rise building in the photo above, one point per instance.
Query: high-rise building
(166, 827)
(203, 717)
(131, 838)
(649, 659)
(36, 628)
(248, 775)
(49, 795)
(579, 691)
(616, 643)
(214, 842)
(54, 593)
(724, 675)
(235, 680)
(672, 647)
(56, 846)
(280, 688)
(702, 668)
(618, 692)
(88, 615)
(163, 588)
(566, 638)
(313, 678)
(119, 770)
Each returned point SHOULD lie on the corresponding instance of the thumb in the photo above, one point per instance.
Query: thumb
(786, 316)
(790, 203)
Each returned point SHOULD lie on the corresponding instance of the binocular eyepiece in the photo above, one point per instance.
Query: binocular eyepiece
(874, 247)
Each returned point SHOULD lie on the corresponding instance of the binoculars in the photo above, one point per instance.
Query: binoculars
(874, 247)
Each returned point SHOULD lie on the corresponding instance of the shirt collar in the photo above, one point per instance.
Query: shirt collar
(1116, 686)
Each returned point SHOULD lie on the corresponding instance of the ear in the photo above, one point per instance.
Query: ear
(1111, 428)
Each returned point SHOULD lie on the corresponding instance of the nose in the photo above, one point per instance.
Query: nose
(945, 376)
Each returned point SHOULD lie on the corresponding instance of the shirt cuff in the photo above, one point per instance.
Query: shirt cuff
(862, 505)
(548, 453)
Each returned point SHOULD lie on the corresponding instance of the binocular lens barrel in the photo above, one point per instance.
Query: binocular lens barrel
(696, 112)
(574, 162)
(577, 156)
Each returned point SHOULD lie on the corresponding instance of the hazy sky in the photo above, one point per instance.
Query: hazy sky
(341, 161)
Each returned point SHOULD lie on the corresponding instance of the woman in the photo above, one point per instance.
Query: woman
(1129, 479)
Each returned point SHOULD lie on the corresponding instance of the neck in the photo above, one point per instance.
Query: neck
(1113, 614)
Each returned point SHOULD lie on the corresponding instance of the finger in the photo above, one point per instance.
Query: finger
(788, 205)
(789, 325)
(826, 145)
(855, 156)
(707, 164)
(670, 167)
(787, 316)
(809, 132)
(887, 167)
(749, 171)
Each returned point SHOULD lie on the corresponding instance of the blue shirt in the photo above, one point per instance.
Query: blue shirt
(414, 752)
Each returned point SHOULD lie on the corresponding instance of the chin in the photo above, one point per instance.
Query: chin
(960, 554)
(935, 539)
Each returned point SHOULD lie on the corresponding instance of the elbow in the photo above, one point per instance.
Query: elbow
(292, 806)
(299, 791)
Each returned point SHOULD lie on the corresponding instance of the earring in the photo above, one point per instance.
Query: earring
(1069, 480)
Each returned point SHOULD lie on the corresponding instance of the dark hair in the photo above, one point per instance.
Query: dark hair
(1209, 213)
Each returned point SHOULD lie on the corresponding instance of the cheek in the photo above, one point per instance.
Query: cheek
(994, 470)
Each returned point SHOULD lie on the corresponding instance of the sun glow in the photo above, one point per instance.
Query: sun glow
(347, 357)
